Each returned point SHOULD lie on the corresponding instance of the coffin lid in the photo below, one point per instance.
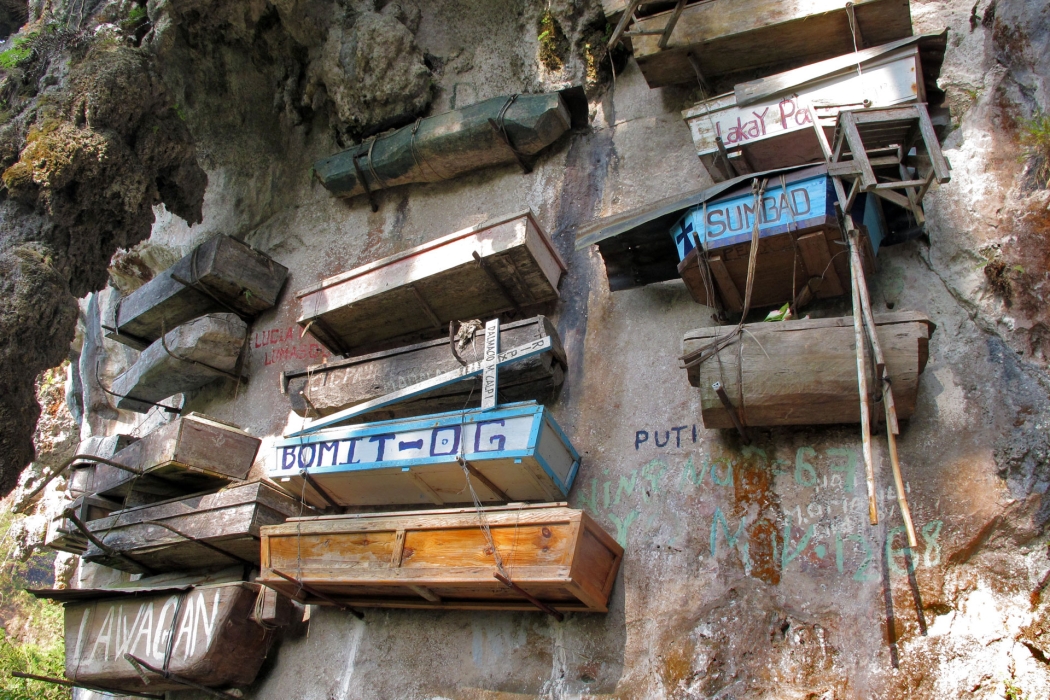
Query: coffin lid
(931, 54)
(435, 511)
(644, 233)
(812, 324)
(430, 245)
(163, 583)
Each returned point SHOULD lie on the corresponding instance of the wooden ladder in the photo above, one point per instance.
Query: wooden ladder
(628, 18)
(866, 139)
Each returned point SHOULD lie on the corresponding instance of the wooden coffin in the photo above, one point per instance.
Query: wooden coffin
(805, 372)
(144, 538)
(799, 242)
(735, 40)
(513, 452)
(769, 123)
(442, 559)
(412, 296)
(192, 453)
(221, 274)
(323, 389)
(214, 641)
(454, 143)
(82, 472)
(63, 535)
(188, 357)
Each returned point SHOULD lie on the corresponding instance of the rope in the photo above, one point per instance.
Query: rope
(853, 31)
(371, 166)
(412, 151)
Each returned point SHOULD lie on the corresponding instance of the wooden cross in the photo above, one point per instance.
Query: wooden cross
(488, 367)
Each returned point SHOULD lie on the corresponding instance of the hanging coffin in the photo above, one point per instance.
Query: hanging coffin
(804, 372)
(203, 634)
(321, 390)
(192, 453)
(64, 536)
(443, 559)
(799, 241)
(499, 131)
(82, 472)
(503, 265)
(196, 353)
(721, 42)
(515, 452)
(221, 274)
(197, 532)
(769, 123)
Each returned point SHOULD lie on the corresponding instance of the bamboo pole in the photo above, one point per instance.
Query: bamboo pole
(862, 385)
(891, 440)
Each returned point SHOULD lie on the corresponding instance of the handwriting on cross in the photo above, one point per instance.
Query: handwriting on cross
(490, 375)
(488, 367)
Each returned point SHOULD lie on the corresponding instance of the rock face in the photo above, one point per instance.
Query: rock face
(750, 571)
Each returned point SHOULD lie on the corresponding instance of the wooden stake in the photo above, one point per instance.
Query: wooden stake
(862, 385)
(891, 440)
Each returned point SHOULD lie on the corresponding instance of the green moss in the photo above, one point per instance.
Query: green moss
(1035, 139)
(553, 44)
(136, 19)
(20, 51)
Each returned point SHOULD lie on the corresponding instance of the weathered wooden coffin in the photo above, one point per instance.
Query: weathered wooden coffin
(805, 372)
(734, 40)
(192, 453)
(194, 354)
(448, 145)
(442, 559)
(228, 520)
(516, 452)
(64, 536)
(221, 274)
(214, 641)
(82, 472)
(799, 238)
(412, 296)
(769, 123)
(323, 389)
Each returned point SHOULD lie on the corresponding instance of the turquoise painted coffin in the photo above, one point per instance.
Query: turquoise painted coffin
(514, 452)
(806, 204)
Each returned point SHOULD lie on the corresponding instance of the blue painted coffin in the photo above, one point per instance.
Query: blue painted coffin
(518, 448)
(806, 204)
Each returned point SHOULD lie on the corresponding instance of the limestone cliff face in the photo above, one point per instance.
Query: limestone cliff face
(750, 573)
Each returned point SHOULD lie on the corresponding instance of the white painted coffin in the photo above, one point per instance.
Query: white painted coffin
(776, 131)
(518, 448)
(204, 634)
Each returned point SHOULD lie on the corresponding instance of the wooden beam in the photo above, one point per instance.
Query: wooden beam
(628, 14)
(671, 24)
(726, 286)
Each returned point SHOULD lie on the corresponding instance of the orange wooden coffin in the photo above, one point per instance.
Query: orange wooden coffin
(442, 559)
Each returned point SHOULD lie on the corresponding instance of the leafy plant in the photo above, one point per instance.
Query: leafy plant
(1013, 691)
(31, 638)
(553, 44)
(1035, 138)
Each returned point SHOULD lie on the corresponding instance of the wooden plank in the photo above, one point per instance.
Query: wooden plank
(221, 274)
(213, 640)
(334, 386)
(188, 357)
(726, 286)
(449, 557)
(192, 453)
(761, 89)
(732, 39)
(804, 372)
(377, 305)
(229, 520)
(817, 259)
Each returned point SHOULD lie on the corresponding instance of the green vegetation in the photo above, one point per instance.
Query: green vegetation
(1013, 691)
(553, 44)
(136, 19)
(31, 639)
(20, 51)
(1035, 138)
